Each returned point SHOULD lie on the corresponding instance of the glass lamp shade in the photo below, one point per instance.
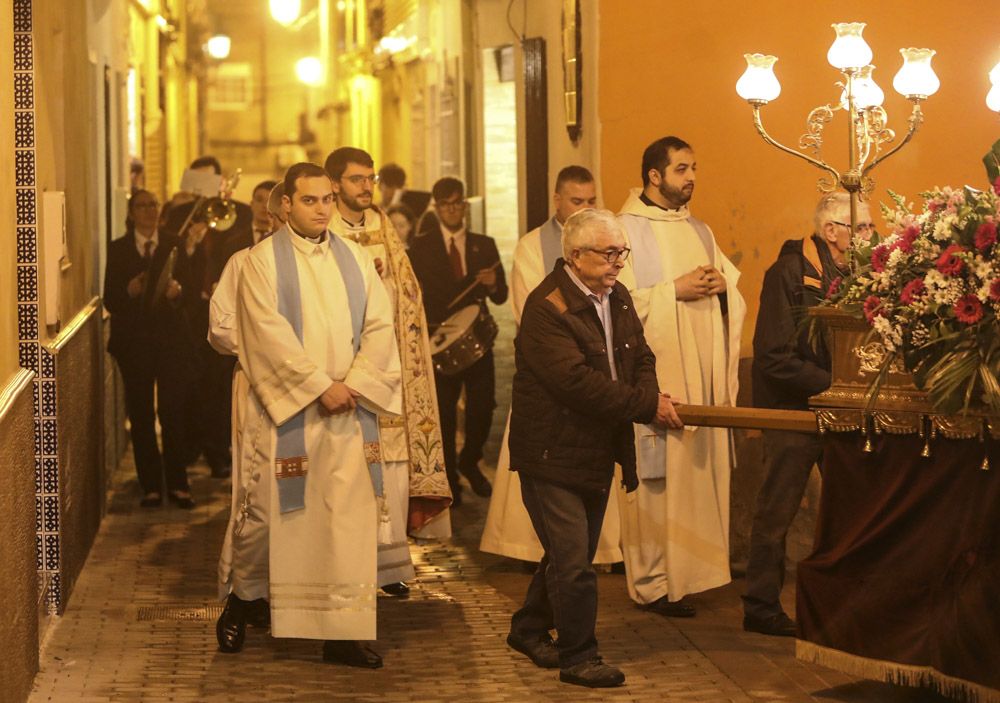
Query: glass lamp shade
(916, 79)
(758, 83)
(995, 74)
(849, 49)
(993, 98)
(867, 94)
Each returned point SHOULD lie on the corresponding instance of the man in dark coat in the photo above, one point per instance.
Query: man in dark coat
(446, 262)
(584, 375)
(787, 370)
(148, 287)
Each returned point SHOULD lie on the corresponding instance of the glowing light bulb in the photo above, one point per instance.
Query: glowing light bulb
(285, 12)
(849, 49)
(758, 83)
(218, 46)
(916, 78)
(309, 70)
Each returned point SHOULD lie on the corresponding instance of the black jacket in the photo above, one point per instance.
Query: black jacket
(786, 369)
(433, 270)
(570, 422)
(142, 327)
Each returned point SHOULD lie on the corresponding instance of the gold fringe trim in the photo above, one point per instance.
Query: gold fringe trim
(896, 673)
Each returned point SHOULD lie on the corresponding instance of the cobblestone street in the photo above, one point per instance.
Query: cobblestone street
(140, 627)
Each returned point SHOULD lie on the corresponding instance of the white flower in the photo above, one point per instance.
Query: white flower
(891, 335)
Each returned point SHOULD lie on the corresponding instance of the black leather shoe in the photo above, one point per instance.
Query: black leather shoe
(779, 625)
(231, 629)
(676, 609)
(398, 589)
(258, 613)
(593, 673)
(480, 485)
(541, 650)
(351, 653)
(183, 502)
(151, 500)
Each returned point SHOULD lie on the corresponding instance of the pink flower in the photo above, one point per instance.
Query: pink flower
(968, 309)
(880, 255)
(934, 205)
(912, 291)
(948, 263)
(873, 308)
(986, 235)
(835, 286)
(995, 290)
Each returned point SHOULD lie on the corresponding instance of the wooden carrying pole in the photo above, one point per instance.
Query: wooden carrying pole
(748, 418)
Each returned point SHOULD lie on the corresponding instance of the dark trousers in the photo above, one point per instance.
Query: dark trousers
(142, 378)
(789, 458)
(210, 408)
(563, 591)
(480, 400)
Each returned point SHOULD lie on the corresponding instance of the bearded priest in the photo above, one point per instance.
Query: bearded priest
(675, 534)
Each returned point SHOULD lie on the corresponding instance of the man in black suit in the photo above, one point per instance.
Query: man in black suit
(392, 187)
(447, 261)
(147, 288)
(208, 418)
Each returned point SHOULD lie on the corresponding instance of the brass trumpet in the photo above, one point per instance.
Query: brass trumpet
(218, 212)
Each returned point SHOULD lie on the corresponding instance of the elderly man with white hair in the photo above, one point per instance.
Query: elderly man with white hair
(787, 370)
(584, 374)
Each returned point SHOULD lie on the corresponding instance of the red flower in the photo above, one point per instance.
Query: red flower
(986, 235)
(880, 255)
(872, 308)
(995, 290)
(907, 237)
(934, 205)
(912, 291)
(948, 263)
(968, 309)
(996, 186)
(835, 286)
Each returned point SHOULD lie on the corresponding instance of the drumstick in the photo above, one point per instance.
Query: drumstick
(466, 291)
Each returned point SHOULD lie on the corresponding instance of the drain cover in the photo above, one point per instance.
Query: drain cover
(210, 612)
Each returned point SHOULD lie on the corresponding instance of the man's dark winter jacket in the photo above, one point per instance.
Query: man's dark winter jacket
(786, 369)
(570, 422)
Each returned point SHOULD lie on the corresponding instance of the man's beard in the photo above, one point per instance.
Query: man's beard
(354, 203)
(674, 196)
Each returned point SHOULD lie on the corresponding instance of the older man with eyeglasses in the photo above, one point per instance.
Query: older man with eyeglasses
(584, 375)
(787, 370)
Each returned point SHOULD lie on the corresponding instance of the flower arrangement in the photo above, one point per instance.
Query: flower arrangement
(930, 289)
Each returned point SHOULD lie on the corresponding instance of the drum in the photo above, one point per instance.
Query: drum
(462, 340)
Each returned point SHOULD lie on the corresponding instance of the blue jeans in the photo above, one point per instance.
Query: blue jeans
(563, 590)
(789, 458)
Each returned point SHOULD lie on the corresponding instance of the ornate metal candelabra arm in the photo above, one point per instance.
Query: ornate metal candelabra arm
(812, 140)
(916, 119)
(805, 157)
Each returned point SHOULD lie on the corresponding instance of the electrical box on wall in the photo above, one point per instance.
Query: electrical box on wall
(54, 255)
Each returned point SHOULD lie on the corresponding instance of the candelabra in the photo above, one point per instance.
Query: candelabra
(869, 138)
(993, 97)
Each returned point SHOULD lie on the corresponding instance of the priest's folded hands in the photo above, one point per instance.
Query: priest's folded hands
(338, 398)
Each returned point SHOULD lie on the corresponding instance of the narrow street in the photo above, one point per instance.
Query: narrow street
(140, 627)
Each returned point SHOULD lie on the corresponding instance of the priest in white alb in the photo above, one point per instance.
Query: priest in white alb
(508, 529)
(316, 342)
(416, 485)
(675, 527)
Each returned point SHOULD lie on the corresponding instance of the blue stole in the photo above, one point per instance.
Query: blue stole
(646, 261)
(551, 241)
(292, 460)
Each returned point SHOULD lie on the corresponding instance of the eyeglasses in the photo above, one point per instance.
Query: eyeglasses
(358, 180)
(451, 204)
(612, 255)
(862, 226)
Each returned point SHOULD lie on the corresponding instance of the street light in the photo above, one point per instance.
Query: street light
(285, 12)
(309, 70)
(218, 46)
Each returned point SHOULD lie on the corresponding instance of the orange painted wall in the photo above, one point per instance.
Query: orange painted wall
(671, 68)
